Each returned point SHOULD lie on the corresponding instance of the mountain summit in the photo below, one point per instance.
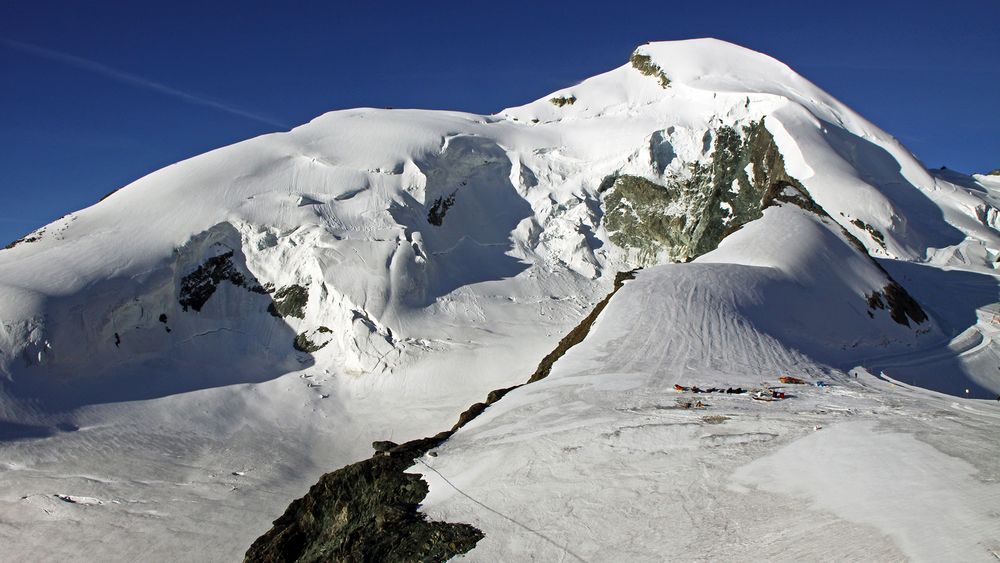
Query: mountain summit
(237, 323)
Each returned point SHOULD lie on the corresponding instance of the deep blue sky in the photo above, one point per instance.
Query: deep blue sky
(71, 130)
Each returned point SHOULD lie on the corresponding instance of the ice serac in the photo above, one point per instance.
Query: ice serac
(385, 269)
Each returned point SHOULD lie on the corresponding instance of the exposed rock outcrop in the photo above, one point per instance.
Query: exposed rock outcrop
(289, 301)
(690, 216)
(435, 216)
(198, 286)
(563, 101)
(692, 213)
(876, 235)
(367, 511)
(645, 65)
(902, 307)
(313, 341)
(32, 237)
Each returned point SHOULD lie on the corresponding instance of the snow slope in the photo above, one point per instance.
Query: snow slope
(191, 352)
(605, 460)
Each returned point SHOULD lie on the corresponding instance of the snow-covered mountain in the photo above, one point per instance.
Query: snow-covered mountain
(183, 358)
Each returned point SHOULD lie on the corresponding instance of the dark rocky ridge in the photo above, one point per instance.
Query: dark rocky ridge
(367, 511)
(579, 332)
(198, 286)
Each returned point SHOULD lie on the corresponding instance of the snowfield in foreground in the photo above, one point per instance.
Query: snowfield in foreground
(604, 460)
(182, 359)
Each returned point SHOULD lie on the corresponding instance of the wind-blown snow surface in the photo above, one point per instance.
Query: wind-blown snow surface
(441, 255)
(601, 462)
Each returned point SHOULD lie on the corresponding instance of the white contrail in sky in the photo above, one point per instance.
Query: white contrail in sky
(134, 80)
